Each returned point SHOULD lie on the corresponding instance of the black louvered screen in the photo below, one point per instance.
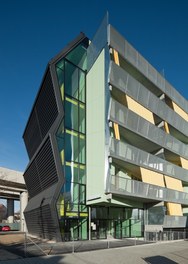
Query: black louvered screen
(46, 166)
(46, 106)
(42, 117)
(32, 180)
(32, 137)
(42, 172)
(40, 222)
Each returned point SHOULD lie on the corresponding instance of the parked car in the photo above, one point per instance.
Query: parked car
(6, 228)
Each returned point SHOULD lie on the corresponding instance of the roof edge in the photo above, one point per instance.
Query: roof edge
(68, 47)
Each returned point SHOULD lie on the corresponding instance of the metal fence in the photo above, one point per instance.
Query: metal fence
(20, 245)
(165, 236)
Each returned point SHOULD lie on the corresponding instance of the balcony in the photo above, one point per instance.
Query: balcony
(135, 123)
(123, 81)
(147, 192)
(130, 154)
(142, 65)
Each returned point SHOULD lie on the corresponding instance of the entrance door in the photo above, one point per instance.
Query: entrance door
(98, 229)
(118, 229)
(71, 229)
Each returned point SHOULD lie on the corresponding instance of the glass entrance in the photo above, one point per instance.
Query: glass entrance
(71, 229)
(98, 229)
(75, 229)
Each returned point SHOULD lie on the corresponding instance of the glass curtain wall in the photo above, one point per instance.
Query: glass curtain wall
(118, 222)
(71, 139)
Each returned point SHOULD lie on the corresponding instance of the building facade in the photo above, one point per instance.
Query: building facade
(107, 141)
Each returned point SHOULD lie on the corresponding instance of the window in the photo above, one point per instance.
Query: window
(71, 80)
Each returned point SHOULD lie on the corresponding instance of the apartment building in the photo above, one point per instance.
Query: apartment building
(107, 142)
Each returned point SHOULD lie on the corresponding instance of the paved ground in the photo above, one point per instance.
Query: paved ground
(18, 245)
(161, 253)
(15, 237)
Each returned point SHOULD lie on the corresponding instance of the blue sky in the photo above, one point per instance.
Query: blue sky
(32, 32)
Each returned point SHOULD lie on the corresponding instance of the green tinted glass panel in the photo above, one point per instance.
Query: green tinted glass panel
(82, 149)
(83, 229)
(78, 56)
(60, 76)
(76, 193)
(73, 223)
(72, 171)
(74, 207)
(68, 173)
(99, 213)
(60, 205)
(71, 148)
(60, 141)
(82, 174)
(60, 64)
(83, 208)
(118, 229)
(136, 228)
(116, 213)
(71, 113)
(71, 80)
(82, 86)
(81, 118)
(82, 194)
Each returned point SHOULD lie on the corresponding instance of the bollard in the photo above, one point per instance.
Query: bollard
(73, 246)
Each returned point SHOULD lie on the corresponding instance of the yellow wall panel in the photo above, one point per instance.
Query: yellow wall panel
(184, 163)
(62, 91)
(62, 156)
(166, 127)
(116, 57)
(174, 184)
(139, 109)
(152, 177)
(174, 209)
(180, 111)
(116, 131)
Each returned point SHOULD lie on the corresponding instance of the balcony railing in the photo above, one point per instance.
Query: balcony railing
(127, 187)
(128, 153)
(175, 221)
(137, 60)
(130, 120)
(127, 84)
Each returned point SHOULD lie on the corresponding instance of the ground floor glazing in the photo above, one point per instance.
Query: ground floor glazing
(102, 223)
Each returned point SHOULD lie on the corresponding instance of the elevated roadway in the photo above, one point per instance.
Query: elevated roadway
(11, 184)
(12, 187)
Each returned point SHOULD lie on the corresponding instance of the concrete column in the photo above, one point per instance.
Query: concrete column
(10, 210)
(23, 204)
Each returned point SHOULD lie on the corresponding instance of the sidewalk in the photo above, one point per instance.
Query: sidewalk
(161, 253)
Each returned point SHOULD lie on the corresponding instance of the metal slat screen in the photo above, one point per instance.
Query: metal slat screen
(40, 222)
(42, 172)
(42, 117)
